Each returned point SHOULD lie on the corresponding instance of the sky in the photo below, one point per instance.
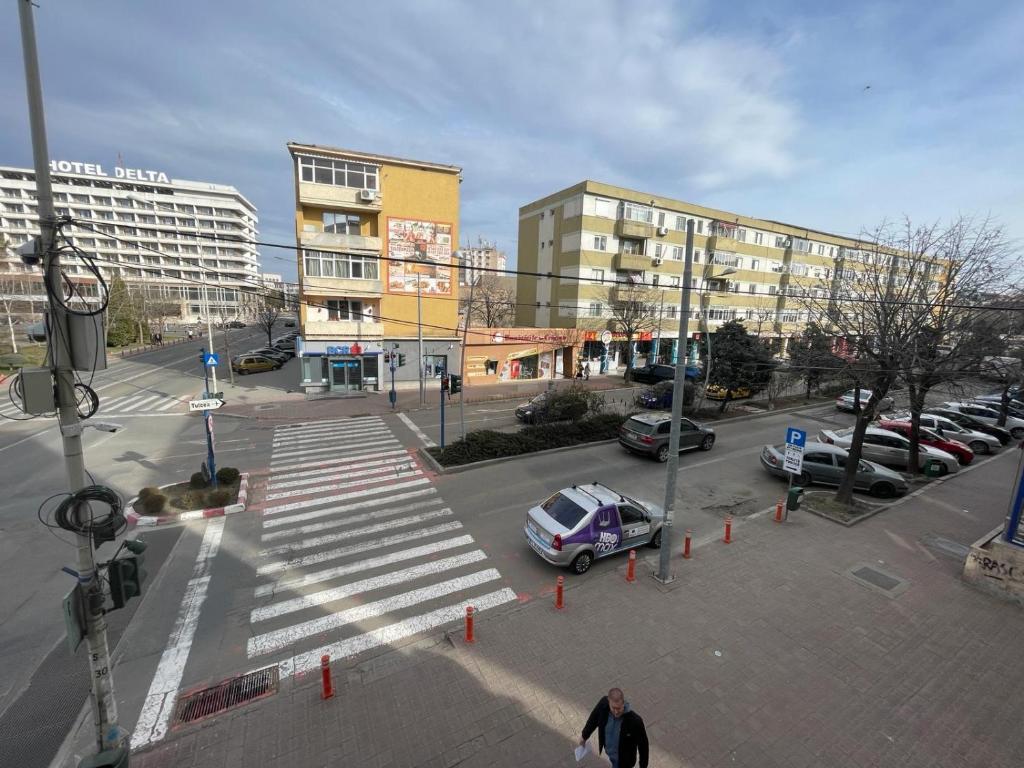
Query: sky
(829, 118)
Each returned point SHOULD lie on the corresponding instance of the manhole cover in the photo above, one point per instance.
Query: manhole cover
(231, 693)
(878, 580)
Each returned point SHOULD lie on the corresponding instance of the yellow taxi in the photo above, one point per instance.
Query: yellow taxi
(715, 392)
(253, 364)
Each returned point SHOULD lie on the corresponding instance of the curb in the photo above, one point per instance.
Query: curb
(196, 514)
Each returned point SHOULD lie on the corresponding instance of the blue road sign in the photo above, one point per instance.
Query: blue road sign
(211, 359)
(796, 437)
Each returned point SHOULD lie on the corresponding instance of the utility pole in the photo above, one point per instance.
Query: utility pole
(104, 707)
(462, 362)
(419, 334)
(672, 466)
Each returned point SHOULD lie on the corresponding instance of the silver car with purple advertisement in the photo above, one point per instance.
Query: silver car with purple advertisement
(577, 525)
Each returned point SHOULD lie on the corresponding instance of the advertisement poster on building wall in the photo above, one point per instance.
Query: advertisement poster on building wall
(425, 248)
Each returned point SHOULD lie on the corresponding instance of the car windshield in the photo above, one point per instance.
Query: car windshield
(845, 432)
(643, 427)
(539, 399)
(564, 510)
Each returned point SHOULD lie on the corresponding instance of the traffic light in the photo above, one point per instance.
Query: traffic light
(125, 576)
(454, 384)
(444, 383)
(401, 359)
(387, 357)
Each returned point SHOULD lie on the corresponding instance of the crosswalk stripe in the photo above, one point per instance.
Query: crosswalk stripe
(322, 468)
(330, 449)
(294, 505)
(302, 530)
(316, 577)
(143, 403)
(125, 403)
(362, 453)
(282, 638)
(417, 431)
(325, 596)
(170, 404)
(331, 538)
(354, 549)
(321, 428)
(306, 424)
(333, 436)
(370, 476)
(392, 633)
(393, 464)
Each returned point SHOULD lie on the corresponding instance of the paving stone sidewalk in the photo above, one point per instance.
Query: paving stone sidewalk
(763, 653)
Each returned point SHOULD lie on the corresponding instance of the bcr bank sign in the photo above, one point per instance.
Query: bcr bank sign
(92, 169)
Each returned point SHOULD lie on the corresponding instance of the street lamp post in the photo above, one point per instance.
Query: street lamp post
(705, 274)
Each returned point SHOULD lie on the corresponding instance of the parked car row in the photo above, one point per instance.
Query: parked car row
(268, 358)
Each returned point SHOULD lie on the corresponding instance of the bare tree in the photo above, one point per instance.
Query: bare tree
(8, 291)
(634, 309)
(494, 303)
(263, 309)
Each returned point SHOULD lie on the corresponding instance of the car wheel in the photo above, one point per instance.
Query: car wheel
(943, 469)
(1017, 433)
(707, 443)
(883, 490)
(662, 454)
(979, 447)
(655, 542)
(803, 479)
(582, 562)
(963, 460)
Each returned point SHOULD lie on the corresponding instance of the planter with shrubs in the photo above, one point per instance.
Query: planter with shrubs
(192, 499)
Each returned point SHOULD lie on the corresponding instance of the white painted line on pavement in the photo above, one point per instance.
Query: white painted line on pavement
(417, 431)
(362, 445)
(387, 475)
(306, 662)
(351, 520)
(326, 422)
(333, 436)
(324, 468)
(294, 505)
(282, 638)
(331, 538)
(356, 438)
(125, 403)
(170, 404)
(354, 549)
(315, 429)
(161, 699)
(362, 452)
(393, 464)
(365, 585)
(297, 582)
(144, 403)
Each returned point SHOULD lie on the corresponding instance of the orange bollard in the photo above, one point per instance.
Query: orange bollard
(559, 598)
(469, 623)
(778, 512)
(728, 529)
(325, 674)
(686, 544)
(631, 568)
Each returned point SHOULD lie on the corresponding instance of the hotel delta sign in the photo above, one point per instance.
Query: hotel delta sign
(93, 169)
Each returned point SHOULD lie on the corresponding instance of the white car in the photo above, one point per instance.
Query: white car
(979, 442)
(987, 415)
(848, 401)
(887, 447)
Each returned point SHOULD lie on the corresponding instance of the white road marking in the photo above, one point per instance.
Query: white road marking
(343, 456)
(365, 585)
(307, 424)
(333, 436)
(354, 549)
(282, 638)
(343, 465)
(373, 423)
(393, 464)
(417, 431)
(316, 577)
(294, 505)
(390, 512)
(375, 444)
(160, 701)
(124, 403)
(390, 525)
(388, 474)
(144, 403)
(305, 662)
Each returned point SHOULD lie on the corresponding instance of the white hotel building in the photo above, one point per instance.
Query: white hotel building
(154, 232)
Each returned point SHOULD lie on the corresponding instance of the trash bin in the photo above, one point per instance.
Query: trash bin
(793, 498)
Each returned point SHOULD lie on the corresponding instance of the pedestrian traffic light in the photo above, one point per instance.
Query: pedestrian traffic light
(401, 359)
(387, 357)
(444, 383)
(455, 384)
(125, 576)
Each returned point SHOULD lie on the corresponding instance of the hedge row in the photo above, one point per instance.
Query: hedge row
(487, 444)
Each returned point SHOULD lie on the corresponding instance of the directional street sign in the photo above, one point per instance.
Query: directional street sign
(211, 358)
(204, 405)
(795, 440)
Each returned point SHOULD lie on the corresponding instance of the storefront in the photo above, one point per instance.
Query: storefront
(339, 366)
(610, 349)
(520, 354)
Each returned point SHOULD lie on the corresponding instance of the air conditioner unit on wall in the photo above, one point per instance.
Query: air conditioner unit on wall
(367, 195)
(656, 261)
(662, 231)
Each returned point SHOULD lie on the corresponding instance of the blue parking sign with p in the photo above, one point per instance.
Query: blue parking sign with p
(796, 437)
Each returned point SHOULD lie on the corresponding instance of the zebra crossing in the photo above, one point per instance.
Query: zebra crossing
(139, 404)
(357, 549)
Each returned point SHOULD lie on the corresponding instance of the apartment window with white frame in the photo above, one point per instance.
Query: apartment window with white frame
(821, 249)
(343, 265)
(600, 242)
(674, 281)
(752, 288)
(772, 290)
(677, 252)
(719, 314)
(755, 264)
(657, 250)
(337, 223)
(741, 235)
(661, 218)
(758, 238)
(671, 311)
(680, 223)
(655, 278)
(345, 309)
(338, 173)
(595, 309)
(696, 257)
(634, 212)
(597, 274)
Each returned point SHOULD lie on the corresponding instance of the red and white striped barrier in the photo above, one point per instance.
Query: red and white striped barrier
(197, 514)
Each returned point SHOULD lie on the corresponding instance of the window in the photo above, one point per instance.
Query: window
(595, 309)
(631, 515)
(821, 249)
(338, 173)
(671, 311)
(344, 265)
(634, 247)
(661, 218)
(772, 290)
(752, 288)
(681, 223)
(340, 223)
(598, 275)
(700, 226)
(755, 264)
(696, 257)
(759, 238)
(719, 314)
(674, 281)
(677, 252)
(657, 250)
(655, 277)
(741, 235)
(818, 458)
(345, 309)
(600, 242)
(634, 212)
(564, 510)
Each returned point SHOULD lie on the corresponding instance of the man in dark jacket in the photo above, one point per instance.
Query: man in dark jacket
(620, 731)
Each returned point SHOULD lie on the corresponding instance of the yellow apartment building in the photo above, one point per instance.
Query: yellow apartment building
(593, 237)
(375, 238)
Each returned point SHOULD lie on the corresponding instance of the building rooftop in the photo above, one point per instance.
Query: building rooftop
(297, 148)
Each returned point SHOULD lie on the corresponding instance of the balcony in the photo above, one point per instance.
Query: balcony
(350, 330)
(341, 287)
(332, 196)
(631, 262)
(633, 228)
(328, 241)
